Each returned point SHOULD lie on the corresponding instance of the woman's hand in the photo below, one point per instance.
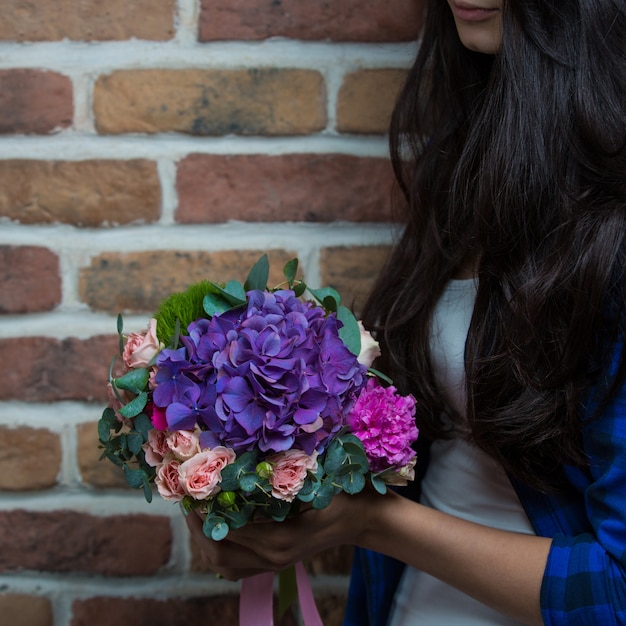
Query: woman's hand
(264, 546)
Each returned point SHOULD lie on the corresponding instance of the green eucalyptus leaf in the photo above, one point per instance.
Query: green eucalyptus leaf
(135, 477)
(147, 492)
(299, 289)
(115, 459)
(230, 478)
(259, 275)
(248, 482)
(215, 304)
(349, 468)
(240, 517)
(135, 406)
(134, 380)
(234, 292)
(324, 496)
(335, 457)
(215, 527)
(135, 441)
(246, 462)
(327, 296)
(290, 270)
(350, 332)
(351, 483)
(143, 425)
(120, 324)
(378, 484)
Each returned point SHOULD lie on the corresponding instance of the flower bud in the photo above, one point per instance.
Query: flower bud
(264, 469)
(227, 498)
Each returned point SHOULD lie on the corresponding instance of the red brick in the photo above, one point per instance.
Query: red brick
(213, 609)
(293, 187)
(87, 20)
(19, 609)
(138, 281)
(89, 193)
(66, 541)
(340, 20)
(48, 370)
(96, 472)
(30, 458)
(30, 279)
(211, 102)
(366, 100)
(34, 101)
(352, 271)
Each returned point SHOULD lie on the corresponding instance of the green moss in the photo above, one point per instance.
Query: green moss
(185, 306)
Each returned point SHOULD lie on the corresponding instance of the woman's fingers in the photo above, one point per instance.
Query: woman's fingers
(230, 560)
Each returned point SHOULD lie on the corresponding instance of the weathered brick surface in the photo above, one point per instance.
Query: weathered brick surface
(66, 541)
(292, 187)
(29, 279)
(101, 474)
(366, 100)
(340, 20)
(82, 193)
(47, 370)
(87, 20)
(218, 609)
(138, 281)
(19, 609)
(352, 271)
(30, 458)
(211, 102)
(34, 101)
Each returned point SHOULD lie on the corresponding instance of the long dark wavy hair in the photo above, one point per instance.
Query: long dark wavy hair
(514, 165)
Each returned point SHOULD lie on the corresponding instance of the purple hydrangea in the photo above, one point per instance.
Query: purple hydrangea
(384, 421)
(272, 375)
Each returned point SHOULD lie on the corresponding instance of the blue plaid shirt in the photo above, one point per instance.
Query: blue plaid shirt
(585, 578)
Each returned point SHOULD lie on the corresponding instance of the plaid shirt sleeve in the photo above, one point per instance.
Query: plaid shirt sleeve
(585, 577)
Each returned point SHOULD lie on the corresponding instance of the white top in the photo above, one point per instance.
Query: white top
(461, 480)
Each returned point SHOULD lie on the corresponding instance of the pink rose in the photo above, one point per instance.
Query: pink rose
(184, 443)
(289, 472)
(141, 348)
(156, 448)
(168, 481)
(370, 349)
(200, 476)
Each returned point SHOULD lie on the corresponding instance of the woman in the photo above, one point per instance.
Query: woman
(502, 309)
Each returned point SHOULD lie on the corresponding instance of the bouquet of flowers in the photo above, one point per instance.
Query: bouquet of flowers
(240, 399)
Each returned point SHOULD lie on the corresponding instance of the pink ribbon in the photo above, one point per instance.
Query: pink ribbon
(256, 602)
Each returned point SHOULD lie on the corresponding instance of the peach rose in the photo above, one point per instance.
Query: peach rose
(289, 472)
(168, 482)
(156, 448)
(141, 348)
(184, 443)
(200, 476)
(370, 349)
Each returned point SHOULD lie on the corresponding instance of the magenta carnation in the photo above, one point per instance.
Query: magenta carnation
(384, 421)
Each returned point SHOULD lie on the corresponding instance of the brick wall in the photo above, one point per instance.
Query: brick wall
(144, 145)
